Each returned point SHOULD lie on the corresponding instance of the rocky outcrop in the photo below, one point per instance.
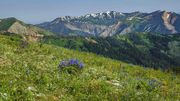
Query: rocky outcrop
(169, 20)
(28, 33)
(114, 29)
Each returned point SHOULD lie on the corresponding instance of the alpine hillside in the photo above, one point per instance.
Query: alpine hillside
(31, 73)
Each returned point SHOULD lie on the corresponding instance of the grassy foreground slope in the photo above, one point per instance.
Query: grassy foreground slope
(30, 72)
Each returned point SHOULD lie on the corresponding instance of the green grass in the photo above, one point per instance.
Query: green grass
(30, 72)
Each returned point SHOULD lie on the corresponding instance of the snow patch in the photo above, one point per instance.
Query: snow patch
(94, 15)
(102, 14)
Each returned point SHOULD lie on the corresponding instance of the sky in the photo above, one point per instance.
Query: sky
(38, 11)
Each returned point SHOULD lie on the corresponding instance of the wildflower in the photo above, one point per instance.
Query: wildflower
(63, 64)
(76, 62)
(115, 83)
(81, 65)
(154, 83)
(10, 83)
(3, 95)
(40, 95)
(31, 89)
(139, 93)
(71, 62)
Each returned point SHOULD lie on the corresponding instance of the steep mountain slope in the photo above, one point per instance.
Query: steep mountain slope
(29, 32)
(111, 22)
(149, 50)
(31, 73)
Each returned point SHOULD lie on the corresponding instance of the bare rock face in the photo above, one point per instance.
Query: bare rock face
(112, 30)
(18, 28)
(28, 33)
(87, 28)
(169, 20)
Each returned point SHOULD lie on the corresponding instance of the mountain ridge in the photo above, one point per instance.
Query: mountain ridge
(28, 31)
(158, 22)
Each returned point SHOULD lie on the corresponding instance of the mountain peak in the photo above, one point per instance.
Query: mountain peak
(7, 22)
(161, 12)
(11, 18)
(106, 14)
(64, 18)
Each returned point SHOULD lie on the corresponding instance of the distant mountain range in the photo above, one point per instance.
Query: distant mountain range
(99, 24)
(112, 23)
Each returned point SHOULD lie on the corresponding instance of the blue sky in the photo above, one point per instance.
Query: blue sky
(37, 11)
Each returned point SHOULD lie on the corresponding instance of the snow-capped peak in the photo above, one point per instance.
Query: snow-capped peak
(65, 18)
(105, 14)
(91, 15)
(108, 12)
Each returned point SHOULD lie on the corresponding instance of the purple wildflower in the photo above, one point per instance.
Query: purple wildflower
(76, 62)
(71, 62)
(63, 64)
(81, 65)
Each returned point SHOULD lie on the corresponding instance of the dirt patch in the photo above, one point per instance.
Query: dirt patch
(4, 61)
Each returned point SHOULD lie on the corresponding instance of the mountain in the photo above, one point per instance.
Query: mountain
(111, 23)
(31, 73)
(29, 32)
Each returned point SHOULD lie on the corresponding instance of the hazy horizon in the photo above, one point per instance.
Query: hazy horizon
(37, 11)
